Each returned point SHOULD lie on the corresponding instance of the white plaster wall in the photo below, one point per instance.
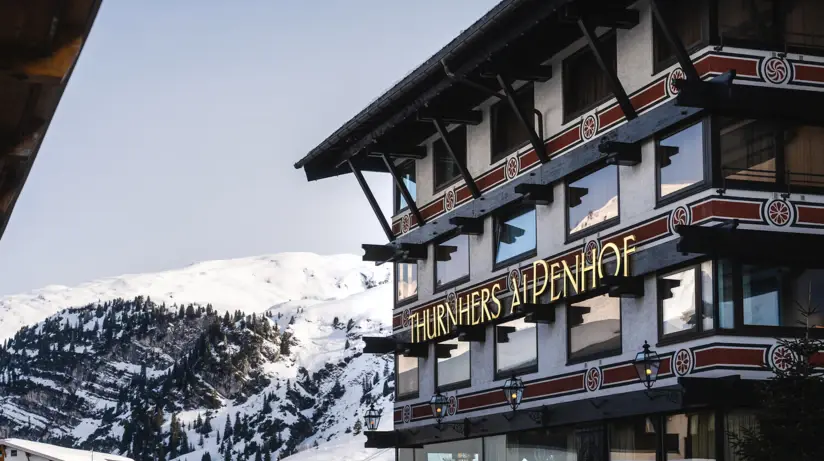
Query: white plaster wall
(635, 51)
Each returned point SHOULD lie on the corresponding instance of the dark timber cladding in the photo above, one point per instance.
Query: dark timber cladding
(40, 41)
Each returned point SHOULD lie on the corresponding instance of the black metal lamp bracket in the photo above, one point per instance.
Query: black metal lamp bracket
(671, 395)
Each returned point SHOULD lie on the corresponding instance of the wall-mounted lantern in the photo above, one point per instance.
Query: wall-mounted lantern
(647, 363)
(514, 391)
(372, 418)
(439, 404)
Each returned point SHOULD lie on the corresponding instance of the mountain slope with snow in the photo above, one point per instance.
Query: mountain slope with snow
(248, 284)
(247, 358)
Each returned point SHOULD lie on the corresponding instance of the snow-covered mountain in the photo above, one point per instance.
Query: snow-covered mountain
(254, 358)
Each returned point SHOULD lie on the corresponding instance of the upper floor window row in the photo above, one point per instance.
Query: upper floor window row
(777, 25)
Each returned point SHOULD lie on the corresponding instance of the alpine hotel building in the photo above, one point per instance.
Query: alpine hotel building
(605, 214)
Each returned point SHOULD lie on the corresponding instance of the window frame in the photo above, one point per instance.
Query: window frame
(706, 159)
(503, 216)
(698, 331)
(396, 193)
(742, 329)
(777, 42)
(460, 280)
(599, 355)
(456, 385)
(520, 371)
(572, 237)
(566, 81)
(708, 29)
(780, 184)
(409, 395)
(410, 299)
(494, 110)
(440, 187)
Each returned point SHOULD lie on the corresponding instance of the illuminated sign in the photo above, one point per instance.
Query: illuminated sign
(483, 305)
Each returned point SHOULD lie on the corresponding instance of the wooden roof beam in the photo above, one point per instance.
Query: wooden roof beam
(51, 67)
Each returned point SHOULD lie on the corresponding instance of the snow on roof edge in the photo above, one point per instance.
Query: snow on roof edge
(59, 453)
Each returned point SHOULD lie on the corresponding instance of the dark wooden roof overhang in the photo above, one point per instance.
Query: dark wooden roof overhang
(40, 42)
(689, 393)
(502, 44)
(753, 246)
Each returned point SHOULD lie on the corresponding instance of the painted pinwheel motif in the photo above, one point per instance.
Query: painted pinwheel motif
(776, 70)
(782, 358)
(676, 74)
(407, 413)
(593, 379)
(588, 248)
(405, 223)
(405, 317)
(449, 200)
(512, 167)
(589, 126)
(514, 279)
(683, 362)
(778, 212)
(680, 217)
(452, 405)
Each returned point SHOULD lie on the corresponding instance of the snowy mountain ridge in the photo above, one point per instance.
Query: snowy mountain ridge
(138, 364)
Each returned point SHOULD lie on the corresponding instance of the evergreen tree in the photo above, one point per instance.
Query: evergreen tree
(258, 457)
(200, 441)
(357, 427)
(207, 425)
(335, 322)
(206, 457)
(346, 346)
(267, 456)
(174, 437)
(227, 455)
(227, 428)
(350, 324)
(789, 418)
(217, 436)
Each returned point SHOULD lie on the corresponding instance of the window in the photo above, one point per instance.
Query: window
(690, 436)
(406, 369)
(515, 236)
(737, 421)
(685, 300)
(585, 84)
(757, 152)
(453, 365)
(457, 450)
(594, 328)
(770, 296)
(406, 280)
(406, 171)
(776, 24)
(680, 160)
(508, 134)
(13, 453)
(446, 170)
(516, 348)
(592, 201)
(452, 266)
(539, 444)
(687, 18)
(634, 438)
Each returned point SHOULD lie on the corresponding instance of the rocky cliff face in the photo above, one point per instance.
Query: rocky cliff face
(156, 379)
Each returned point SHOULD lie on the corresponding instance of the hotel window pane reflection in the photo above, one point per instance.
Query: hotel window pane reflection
(535, 445)
(804, 152)
(453, 363)
(407, 373)
(407, 173)
(737, 422)
(726, 300)
(594, 327)
(516, 347)
(748, 150)
(690, 437)
(681, 159)
(593, 199)
(446, 170)
(761, 288)
(407, 279)
(452, 260)
(677, 292)
(634, 439)
(515, 235)
(458, 450)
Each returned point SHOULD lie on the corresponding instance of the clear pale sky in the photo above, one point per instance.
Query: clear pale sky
(175, 139)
